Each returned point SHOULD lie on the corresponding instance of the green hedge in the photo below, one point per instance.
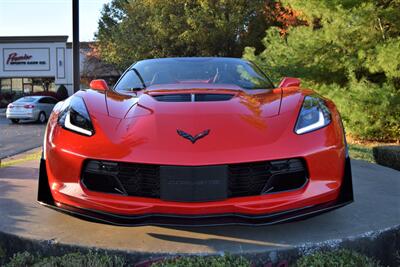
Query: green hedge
(369, 111)
(387, 156)
(198, 261)
(91, 259)
(338, 258)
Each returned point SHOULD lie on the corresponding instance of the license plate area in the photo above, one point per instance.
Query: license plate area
(194, 184)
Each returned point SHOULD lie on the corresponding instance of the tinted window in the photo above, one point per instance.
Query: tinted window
(47, 100)
(129, 82)
(195, 70)
(52, 100)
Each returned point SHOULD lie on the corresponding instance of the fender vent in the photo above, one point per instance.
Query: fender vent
(193, 97)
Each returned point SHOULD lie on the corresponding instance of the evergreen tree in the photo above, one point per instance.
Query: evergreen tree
(348, 50)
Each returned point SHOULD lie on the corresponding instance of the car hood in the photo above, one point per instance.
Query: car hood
(195, 100)
(142, 128)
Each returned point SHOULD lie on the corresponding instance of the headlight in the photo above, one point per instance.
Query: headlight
(75, 117)
(313, 115)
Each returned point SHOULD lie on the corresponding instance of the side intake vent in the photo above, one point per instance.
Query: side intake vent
(193, 97)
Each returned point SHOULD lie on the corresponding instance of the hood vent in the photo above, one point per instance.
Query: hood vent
(193, 97)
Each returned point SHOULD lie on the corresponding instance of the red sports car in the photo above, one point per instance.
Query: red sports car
(195, 141)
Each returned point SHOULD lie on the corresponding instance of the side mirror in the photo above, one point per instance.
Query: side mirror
(288, 82)
(100, 85)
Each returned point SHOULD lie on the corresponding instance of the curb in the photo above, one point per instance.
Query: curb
(370, 244)
(21, 153)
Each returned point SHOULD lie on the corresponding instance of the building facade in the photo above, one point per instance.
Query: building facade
(34, 64)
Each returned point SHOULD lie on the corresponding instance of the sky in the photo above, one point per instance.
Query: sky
(48, 17)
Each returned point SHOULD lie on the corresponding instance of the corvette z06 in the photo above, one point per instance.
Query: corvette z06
(195, 141)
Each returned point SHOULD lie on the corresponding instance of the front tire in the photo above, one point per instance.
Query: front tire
(14, 120)
(42, 117)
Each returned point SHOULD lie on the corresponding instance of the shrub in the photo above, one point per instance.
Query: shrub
(361, 152)
(198, 261)
(62, 92)
(91, 259)
(6, 98)
(21, 259)
(369, 111)
(2, 254)
(338, 258)
(3, 102)
(387, 156)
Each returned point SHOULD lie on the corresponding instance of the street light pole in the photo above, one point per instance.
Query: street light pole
(75, 45)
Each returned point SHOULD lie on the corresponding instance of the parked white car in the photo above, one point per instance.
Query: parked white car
(37, 108)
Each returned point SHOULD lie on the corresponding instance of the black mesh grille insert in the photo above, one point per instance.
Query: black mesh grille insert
(192, 97)
(244, 179)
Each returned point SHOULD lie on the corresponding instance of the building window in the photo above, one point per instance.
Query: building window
(5, 85)
(37, 85)
(17, 86)
(25, 86)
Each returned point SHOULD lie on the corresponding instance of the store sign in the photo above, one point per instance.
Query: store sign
(26, 59)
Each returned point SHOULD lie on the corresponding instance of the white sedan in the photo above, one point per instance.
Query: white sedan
(37, 108)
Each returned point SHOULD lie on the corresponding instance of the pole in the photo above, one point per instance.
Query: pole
(75, 45)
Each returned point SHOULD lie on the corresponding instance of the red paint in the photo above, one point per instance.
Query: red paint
(99, 85)
(255, 125)
(290, 82)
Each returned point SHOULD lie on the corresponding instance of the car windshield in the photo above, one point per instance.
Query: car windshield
(26, 99)
(229, 71)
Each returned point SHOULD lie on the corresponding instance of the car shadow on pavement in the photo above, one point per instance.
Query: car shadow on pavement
(222, 243)
(255, 237)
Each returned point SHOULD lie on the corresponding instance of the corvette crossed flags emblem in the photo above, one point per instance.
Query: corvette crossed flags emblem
(191, 138)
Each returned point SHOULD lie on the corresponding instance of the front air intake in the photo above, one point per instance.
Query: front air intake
(154, 181)
(173, 98)
(193, 97)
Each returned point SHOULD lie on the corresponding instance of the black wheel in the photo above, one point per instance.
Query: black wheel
(42, 117)
(14, 120)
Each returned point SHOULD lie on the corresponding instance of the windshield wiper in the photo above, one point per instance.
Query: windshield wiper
(140, 78)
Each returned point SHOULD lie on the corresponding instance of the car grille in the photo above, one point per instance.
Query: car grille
(244, 179)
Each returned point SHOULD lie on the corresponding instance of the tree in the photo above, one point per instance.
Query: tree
(130, 30)
(348, 50)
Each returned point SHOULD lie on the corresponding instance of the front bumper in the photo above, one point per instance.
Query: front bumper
(345, 197)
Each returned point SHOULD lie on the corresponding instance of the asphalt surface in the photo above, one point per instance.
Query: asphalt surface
(376, 207)
(17, 138)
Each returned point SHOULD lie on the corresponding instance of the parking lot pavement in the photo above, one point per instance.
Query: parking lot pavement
(16, 138)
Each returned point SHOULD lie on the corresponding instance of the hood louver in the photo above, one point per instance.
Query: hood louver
(193, 97)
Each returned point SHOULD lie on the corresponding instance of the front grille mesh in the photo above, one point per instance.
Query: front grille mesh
(245, 179)
(140, 179)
